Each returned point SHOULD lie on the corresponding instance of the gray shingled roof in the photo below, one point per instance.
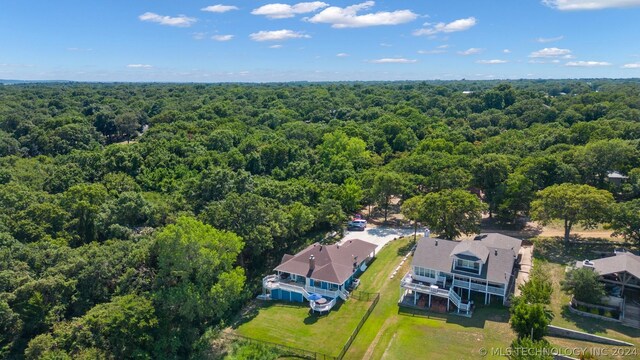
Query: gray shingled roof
(499, 241)
(473, 249)
(333, 263)
(438, 254)
(620, 262)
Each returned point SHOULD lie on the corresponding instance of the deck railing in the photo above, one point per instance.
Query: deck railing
(479, 287)
(274, 282)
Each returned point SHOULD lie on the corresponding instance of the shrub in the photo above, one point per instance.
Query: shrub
(584, 285)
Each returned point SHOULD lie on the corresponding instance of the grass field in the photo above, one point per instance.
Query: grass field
(291, 324)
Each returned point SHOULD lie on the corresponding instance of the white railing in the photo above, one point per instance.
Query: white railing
(273, 282)
(322, 307)
(479, 287)
(433, 290)
(457, 301)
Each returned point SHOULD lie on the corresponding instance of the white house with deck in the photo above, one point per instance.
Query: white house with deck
(326, 270)
(449, 272)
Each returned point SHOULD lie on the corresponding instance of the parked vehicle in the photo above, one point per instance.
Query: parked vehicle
(357, 224)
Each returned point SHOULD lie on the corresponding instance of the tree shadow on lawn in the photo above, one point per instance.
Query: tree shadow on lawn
(252, 310)
(593, 326)
(313, 317)
(555, 250)
(404, 250)
(519, 230)
(477, 320)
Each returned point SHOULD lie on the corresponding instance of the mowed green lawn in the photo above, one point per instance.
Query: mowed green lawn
(292, 324)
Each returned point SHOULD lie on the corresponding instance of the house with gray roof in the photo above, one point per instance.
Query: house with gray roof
(452, 271)
(326, 270)
(621, 275)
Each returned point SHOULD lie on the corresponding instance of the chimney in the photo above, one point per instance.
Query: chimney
(312, 262)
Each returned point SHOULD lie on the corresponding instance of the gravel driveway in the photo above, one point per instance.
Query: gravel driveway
(379, 235)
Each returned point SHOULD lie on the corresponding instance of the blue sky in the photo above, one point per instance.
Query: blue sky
(228, 40)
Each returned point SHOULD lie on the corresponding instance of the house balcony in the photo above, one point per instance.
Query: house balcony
(272, 282)
(488, 289)
(418, 294)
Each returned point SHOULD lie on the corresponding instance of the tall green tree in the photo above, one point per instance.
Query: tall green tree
(412, 209)
(385, 186)
(197, 283)
(528, 320)
(489, 174)
(573, 204)
(450, 213)
(625, 220)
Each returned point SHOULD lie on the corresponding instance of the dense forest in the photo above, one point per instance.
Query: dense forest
(135, 219)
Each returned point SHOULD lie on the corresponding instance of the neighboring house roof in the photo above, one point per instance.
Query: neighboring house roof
(499, 252)
(333, 263)
(616, 175)
(624, 261)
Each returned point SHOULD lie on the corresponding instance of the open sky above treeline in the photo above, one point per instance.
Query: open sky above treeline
(257, 41)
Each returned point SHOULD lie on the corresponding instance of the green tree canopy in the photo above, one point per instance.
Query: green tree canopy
(584, 284)
(625, 220)
(573, 204)
(449, 213)
(197, 282)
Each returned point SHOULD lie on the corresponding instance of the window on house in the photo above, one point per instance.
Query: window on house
(468, 265)
(419, 271)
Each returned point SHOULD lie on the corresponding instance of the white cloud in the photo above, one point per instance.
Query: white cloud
(631, 66)
(178, 21)
(470, 51)
(283, 11)
(222, 37)
(587, 63)
(219, 8)
(492, 62)
(199, 35)
(342, 55)
(348, 17)
(551, 53)
(590, 4)
(548, 40)
(454, 26)
(432, 52)
(506, 51)
(277, 35)
(393, 61)
(445, 46)
(540, 61)
(277, 46)
(139, 66)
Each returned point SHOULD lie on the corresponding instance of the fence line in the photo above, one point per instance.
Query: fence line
(363, 295)
(355, 332)
(286, 350)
